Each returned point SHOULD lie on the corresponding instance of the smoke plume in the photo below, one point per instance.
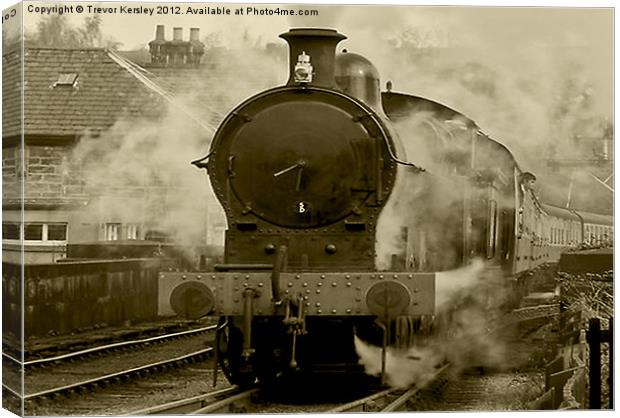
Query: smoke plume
(538, 80)
(465, 306)
(402, 368)
(139, 171)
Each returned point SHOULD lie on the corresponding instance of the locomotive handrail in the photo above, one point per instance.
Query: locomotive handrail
(369, 113)
(275, 274)
(372, 114)
(200, 161)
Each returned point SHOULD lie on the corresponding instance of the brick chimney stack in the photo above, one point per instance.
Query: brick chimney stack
(177, 49)
(155, 46)
(197, 49)
(177, 52)
(177, 34)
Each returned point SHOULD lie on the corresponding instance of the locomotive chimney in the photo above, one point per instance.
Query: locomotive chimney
(316, 49)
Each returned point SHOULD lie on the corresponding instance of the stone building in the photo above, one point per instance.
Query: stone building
(70, 95)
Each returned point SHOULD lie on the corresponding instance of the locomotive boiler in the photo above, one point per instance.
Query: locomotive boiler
(342, 202)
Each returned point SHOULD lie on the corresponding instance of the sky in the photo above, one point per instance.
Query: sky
(500, 30)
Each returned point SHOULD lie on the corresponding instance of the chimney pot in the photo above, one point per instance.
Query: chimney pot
(194, 34)
(177, 34)
(160, 33)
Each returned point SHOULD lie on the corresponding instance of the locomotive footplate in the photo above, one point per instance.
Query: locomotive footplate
(385, 294)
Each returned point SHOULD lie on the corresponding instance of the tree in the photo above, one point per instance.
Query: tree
(9, 40)
(55, 31)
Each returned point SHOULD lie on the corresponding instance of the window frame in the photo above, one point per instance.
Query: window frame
(44, 234)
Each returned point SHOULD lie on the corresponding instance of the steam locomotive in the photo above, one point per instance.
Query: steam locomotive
(342, 202)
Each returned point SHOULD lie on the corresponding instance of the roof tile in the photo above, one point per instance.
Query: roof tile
(104, 92)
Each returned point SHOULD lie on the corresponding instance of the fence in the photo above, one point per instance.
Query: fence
(595, 338)
(66, 297)
(573, 379)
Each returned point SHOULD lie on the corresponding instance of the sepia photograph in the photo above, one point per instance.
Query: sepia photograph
(263, 208)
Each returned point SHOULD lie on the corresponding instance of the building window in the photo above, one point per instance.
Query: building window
(57, 232)
(133, 231)
(66, 79)
(10, 230)
(35, 231)
(112, 232)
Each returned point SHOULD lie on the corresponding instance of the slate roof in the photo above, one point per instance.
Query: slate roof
(104, 92)
(222, 82)
(11, 96)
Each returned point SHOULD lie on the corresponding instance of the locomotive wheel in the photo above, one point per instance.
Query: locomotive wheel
(222, 347)
(229, 344)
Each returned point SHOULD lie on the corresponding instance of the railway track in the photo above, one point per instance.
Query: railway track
(102, 349)
(233, 400)
(228, 400)
(99, 369)
(124, 375)
(484, 392)
(126, 390)
(47, 347)
(127, 396)
(393, 400)
(35, 368)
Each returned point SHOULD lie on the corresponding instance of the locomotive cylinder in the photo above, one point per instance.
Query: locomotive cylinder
(320, 45)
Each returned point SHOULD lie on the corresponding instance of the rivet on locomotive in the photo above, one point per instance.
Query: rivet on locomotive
(311, 175)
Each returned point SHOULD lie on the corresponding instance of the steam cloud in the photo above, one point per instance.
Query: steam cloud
(139, 170)
(537, 80)
(463, 298)
(402, 367)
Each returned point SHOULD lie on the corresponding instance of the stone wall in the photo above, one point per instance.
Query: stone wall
(49, 170)
(10, 167)
(51, 173)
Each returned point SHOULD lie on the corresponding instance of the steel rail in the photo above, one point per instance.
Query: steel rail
(351, 406)
(92, 350)
(8, 388)
(118, 375)
(184, 406)
(224, 404)
(402, 400)
(395, 405)
(10, 357)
